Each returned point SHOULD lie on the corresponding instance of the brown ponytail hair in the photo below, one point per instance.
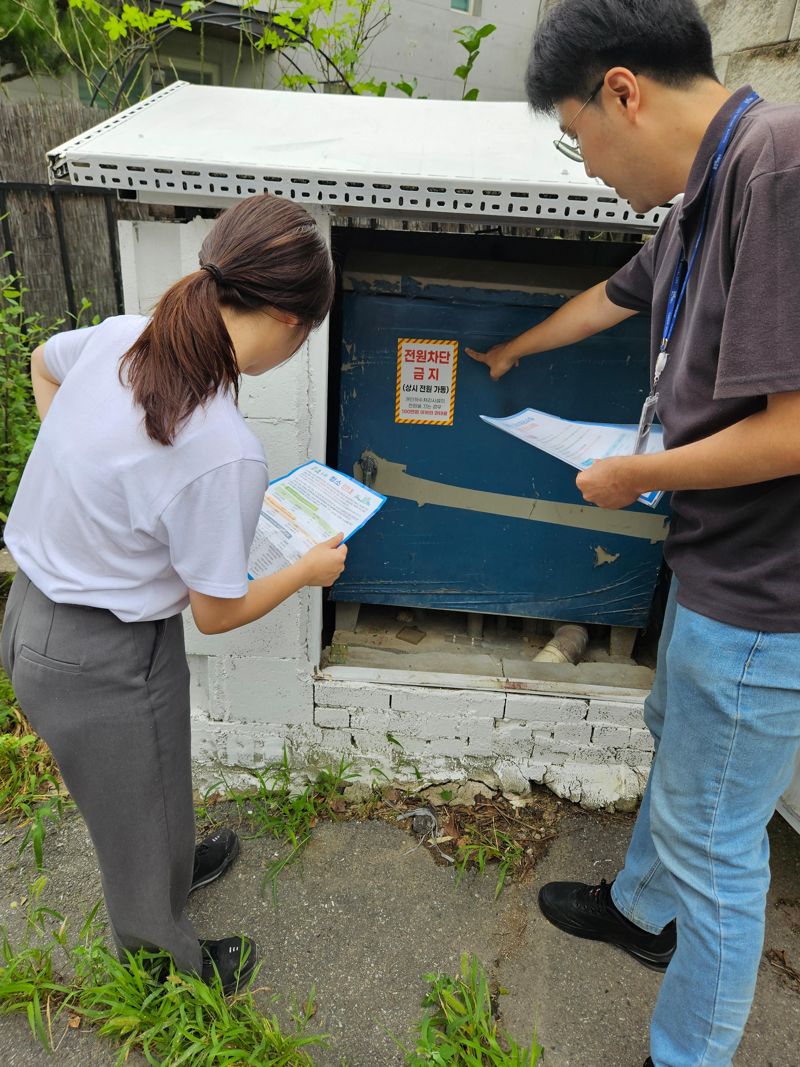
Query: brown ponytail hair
(263, 253)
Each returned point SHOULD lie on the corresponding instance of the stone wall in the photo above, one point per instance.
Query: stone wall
(755, 42)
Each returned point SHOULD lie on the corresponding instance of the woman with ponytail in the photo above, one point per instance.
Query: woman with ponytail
(140, 498)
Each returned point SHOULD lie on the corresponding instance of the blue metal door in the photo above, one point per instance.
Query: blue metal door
(477, 520)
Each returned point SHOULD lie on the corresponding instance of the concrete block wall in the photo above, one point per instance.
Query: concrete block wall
(757, 42)
(250, 685)
(254, 692)
(596, 752)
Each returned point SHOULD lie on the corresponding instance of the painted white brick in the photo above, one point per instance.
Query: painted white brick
(285, 444)
(632, 757)
(245, 747)
(271, 691)
(416, 724)
(565, 731)
(592, 754)
(278, 395)
(512, 739)
(642, 740)
(448, 704)
(279, 635)
(609, 735)
(595, 786)
(618, 712)
(481, 736)
(547, 753)
(199, 696)
(578, 733)
(355, 695)
(546, 709)
(441, 746)
(515, 776)
(560, 752)
(253, 749)
(336, 718)
(207, 691)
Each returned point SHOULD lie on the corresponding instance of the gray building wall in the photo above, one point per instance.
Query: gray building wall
(755, 41)
(419, 42)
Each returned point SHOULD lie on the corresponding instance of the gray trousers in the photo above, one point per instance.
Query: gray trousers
(111, 699)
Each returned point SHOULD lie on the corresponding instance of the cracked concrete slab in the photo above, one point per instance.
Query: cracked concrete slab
(361, 918)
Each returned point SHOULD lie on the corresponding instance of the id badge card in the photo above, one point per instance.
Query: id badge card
(646, 420)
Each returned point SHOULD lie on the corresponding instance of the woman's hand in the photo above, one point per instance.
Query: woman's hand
(325, 562)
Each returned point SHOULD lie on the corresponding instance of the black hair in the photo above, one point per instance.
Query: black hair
(579, 40)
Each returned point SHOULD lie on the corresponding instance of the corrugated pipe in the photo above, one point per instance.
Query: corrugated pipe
(567, 645)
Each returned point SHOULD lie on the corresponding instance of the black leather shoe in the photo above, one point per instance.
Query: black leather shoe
(213, 856)
(588, 911)
(233, 959)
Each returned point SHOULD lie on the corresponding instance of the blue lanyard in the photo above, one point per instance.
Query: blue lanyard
(685, 267)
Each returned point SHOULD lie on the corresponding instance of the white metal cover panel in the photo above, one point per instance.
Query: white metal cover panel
(488, 160)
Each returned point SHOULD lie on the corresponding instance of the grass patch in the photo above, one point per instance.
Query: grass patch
(481, 846)
(31, 790)
(142, 1004)
(463, 1029)
(274, 808)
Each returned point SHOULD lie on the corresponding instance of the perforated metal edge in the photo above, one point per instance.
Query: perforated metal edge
(56, 157)
(582, 206)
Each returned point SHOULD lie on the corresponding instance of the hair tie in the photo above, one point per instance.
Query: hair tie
(214, 271)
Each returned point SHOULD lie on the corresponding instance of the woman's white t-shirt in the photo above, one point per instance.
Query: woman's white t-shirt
(106, 517)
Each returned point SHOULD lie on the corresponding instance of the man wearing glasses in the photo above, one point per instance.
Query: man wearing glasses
(633, 85)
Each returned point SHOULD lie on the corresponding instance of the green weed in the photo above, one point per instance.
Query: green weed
(483, 845)
(274, 808)
(462, 1029)
(30, 787)
(142, 1003)
(20, 333)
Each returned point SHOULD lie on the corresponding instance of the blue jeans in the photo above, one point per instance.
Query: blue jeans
(725, 716)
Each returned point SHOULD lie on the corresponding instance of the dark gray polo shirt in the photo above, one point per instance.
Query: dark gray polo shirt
(735, 552)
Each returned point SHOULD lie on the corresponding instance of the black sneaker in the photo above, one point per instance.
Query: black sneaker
(649, 1063)
(588, 911)
(213, 856)
(233, 959)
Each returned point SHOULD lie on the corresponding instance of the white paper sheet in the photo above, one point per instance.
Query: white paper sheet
(304, 508)
(578, 443)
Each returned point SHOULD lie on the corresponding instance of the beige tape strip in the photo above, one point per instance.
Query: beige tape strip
(392, 480)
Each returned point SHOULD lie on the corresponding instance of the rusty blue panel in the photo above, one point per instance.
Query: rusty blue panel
(435, 545)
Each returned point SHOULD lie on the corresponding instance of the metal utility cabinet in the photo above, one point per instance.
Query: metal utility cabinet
(453, 225)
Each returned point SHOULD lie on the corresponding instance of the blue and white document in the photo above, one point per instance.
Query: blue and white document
(306, 507)
(578, 443)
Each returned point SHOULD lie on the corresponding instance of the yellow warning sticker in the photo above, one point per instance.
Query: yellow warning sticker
(426, 381)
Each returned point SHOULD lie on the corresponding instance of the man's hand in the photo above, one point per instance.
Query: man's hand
(610, 483)
(498, 359)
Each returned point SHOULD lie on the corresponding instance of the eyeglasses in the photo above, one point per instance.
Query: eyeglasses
(571, 147)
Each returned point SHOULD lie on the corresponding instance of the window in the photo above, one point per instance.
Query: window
(185, 70)
(469, 7)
